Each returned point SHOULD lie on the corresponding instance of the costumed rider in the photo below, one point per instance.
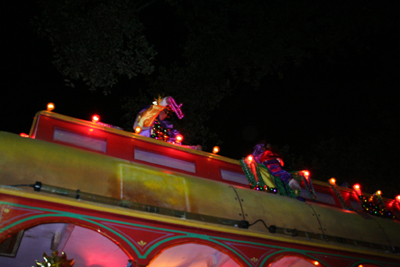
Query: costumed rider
(270, 158)
(152, 120)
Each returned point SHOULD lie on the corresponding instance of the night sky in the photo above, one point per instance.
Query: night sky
(318, 100)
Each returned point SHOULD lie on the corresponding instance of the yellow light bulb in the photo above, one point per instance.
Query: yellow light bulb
(50, 106)
(215, 149)
(179, 138)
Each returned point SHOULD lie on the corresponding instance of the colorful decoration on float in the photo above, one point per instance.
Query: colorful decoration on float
(176, 108)
(332, 183)
(153, 120)
(305, 177)
(159, 133)
(374, 205)
(55, 261)
(252, 172)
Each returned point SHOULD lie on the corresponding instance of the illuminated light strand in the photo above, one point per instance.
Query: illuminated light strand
(176, 108)
(252, 173)
(305, 175)
(332, 184)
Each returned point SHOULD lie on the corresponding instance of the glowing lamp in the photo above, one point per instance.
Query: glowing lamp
(138, 130)
(332, 181)
(23, 135)
(250, 158)
(215, 149)
(398, 199)
(379, 192)
(306, 173)
(50, 106)
(179, 138)
(95, 118)
(316, 263)
(357, 189)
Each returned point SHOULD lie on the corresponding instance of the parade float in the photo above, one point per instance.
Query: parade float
(85, 193)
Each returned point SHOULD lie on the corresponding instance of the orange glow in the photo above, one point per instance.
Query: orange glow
(138, 130)
(332, 180)
(179, 138)
(95, 118)
(50, 106)
(379, 192)
(360, 265)
(306, 173)
(398, 198)
(23, 135)
(357, 189)
(250, 158)
(316, 263)
(215, 149)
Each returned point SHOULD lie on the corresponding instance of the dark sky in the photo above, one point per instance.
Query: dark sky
(318, 100)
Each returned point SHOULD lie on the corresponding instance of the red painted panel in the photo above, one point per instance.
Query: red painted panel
(123, 147)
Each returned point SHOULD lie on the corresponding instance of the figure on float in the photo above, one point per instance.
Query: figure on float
(153, 120)
(270, 158)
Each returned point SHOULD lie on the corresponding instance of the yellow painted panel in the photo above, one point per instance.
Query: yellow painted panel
(349, 224)
(166, 189)
(277, 210)
(25, 161)
(391, 229)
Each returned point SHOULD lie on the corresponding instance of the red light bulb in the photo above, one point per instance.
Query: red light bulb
(95, 118)
(179, 138)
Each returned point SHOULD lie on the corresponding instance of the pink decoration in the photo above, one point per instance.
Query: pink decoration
(176, 108)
